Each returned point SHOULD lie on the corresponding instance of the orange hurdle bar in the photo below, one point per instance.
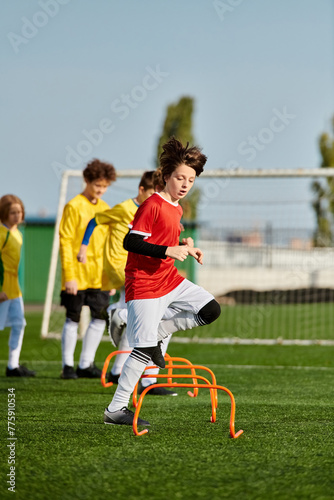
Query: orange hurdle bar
(169, 377)
(167, 357)
(105, 367)
(233, 434)
(170, 370)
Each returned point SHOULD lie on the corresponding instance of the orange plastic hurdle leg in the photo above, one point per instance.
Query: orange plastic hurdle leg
(233, 434)
(176, 384)
(105, 367)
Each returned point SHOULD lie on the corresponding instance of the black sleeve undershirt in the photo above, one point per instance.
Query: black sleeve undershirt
(135, 243)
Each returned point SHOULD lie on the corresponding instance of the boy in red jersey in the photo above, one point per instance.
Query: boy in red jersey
(152, 282)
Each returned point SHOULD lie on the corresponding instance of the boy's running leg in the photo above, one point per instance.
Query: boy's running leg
(15, 345)
(183, 320)
(145, 382)
(68, 343)
(90, 344)
(117, 412)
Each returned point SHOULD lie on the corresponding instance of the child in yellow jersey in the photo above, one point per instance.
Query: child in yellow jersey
(81, 285)
(11, 303)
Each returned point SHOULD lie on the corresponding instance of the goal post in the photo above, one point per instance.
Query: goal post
(255, 228)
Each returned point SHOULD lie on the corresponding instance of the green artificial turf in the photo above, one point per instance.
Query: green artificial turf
(284, 404)
(295, 321)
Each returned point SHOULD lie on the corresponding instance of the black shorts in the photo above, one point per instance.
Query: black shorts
(96, 300)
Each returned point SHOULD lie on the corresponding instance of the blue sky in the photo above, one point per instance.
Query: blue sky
(244, 62)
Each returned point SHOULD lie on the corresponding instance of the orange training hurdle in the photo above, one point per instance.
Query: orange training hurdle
(213, 387)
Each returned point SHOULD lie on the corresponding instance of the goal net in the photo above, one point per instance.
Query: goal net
(256, 230)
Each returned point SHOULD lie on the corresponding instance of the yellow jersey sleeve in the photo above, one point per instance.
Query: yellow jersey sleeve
(117, 219)
(67, 237)
(114, 215)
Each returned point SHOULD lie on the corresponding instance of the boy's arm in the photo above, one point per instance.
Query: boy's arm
(135, 243)
(109, 216)
(67, 234)
(82, 255)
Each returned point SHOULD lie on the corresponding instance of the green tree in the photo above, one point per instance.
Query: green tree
(178, 123)
(323, 203)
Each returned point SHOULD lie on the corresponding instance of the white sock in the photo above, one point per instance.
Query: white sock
(15, 345)
(181, 321)
(145, 382)
(68, 341)
(91, 342)
(121, 358)
(131, 372)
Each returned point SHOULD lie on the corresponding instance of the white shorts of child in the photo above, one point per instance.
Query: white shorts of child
(144, 315)
(12, 313)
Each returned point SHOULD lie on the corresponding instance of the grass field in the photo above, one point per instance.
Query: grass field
(284, 404)
(287, 321)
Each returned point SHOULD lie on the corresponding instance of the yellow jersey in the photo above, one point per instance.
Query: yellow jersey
(10, 253)
(77, 213)
(114, 255)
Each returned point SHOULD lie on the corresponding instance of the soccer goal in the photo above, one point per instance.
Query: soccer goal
(256, 229)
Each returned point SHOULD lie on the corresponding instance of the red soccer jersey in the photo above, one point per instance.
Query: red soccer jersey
(148, 277)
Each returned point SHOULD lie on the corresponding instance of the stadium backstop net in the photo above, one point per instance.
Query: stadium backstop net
(256, 229)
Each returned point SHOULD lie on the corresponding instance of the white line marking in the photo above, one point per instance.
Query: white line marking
(213, 365)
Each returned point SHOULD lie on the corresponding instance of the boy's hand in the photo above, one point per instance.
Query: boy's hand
(196, 253)
(71, 287)
(181, 252)
(3, 296)
(82, 255)
(188, 241)
(178, 253)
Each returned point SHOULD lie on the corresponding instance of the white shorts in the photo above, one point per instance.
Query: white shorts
(145, 315)
(12, 313)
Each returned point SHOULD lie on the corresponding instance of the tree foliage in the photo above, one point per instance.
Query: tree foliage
(323, 203)
(178, 123)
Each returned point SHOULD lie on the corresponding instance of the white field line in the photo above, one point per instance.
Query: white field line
(238, 341)
(216, 365)
(227, 340)
(275, 367)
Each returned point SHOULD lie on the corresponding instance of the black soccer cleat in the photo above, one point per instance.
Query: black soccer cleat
(124, 416)
(113, 378)
(91, 372)
(20, 371)
(157, 391)
(68, 373)
(157, 356)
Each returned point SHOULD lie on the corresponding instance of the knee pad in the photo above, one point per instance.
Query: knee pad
(209, 313)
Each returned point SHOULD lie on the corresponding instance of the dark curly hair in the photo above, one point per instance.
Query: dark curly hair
(97, 169)
(146, 180)
(174, 155)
